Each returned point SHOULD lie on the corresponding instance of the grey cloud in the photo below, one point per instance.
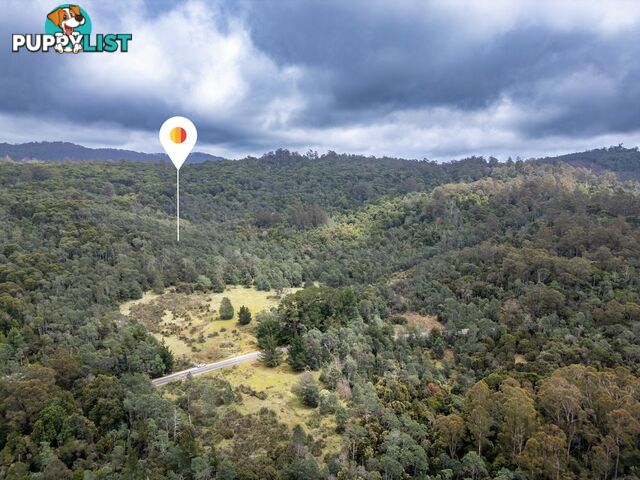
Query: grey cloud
(361, 64)
(374, 62)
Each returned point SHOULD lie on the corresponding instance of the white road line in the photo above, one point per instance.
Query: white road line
(173, 377)
(227, 362)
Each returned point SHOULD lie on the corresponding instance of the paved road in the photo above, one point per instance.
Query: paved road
(247, 357)
(228, 362)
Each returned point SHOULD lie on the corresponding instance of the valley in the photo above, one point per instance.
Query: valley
(402, 319)
(190, 324)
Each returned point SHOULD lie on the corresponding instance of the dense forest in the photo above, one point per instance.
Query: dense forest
(531, 268)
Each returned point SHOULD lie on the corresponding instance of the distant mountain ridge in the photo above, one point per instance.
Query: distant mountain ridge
(625, 162)
(65, 151)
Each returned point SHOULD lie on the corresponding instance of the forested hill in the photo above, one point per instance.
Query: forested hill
(70, 152)
(625, 162)
(531, 268)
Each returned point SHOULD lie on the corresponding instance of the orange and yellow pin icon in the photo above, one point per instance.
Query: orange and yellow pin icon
(178, 136)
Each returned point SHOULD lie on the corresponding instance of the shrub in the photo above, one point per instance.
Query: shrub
(226, 309)
(307, 390)
(244, 316)
(329, 402)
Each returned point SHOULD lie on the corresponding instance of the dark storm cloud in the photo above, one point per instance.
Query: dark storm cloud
(48, 86)
(39, 87)
(346, 75)
(603, 98)
(375, 61)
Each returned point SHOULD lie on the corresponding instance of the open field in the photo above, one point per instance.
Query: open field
(425, 323)
(190, 326)
(277, 383)
(422, 323)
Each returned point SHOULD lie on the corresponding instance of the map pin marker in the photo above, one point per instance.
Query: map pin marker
(178, 136)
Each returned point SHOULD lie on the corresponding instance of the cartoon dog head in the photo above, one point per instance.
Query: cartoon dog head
(67, 19)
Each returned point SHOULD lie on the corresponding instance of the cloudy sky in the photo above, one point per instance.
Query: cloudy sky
(440, 79)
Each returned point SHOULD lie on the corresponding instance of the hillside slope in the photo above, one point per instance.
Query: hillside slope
(624, 162)
(531, 268)
(70, 152)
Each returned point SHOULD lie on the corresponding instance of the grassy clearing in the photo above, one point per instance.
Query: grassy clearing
(449, 356)
(425, 323)
(147, 297)
(277, 383)
(422, 323)
(190, 326)
(519, 359)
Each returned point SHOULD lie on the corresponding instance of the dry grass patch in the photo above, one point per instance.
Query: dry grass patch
(519, 358)
(422, 323)
(277, 384)
(190, 326)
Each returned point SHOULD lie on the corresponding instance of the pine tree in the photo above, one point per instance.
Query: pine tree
(226, 470)
(270, 355)
(244, 316)
(226, 309)
(307, 390)
(297, 355)
(342, 417)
